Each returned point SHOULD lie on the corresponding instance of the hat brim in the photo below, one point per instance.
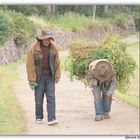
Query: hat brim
(42, 37)
(109, 73)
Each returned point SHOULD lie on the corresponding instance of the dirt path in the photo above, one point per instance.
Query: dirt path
(131, 39)
(75, 111)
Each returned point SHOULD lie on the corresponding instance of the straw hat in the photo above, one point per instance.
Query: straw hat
(46, 33)
(101, 69)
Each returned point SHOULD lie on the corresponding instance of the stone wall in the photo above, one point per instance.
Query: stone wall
(8, 52)
(63, 38)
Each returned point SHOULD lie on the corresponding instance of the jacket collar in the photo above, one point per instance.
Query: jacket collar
(38, 48)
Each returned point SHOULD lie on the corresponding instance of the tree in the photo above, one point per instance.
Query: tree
(53, 9)
(49, 9)
(105, 8)
(94, 11)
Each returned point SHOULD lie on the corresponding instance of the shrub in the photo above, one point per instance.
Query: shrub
(40, 23)
(109, 14)
(98, 23)
(137, 23)
(121, 20)
(4, 28)
(24, 9)
(70, 21)
(22, 28)
(112, 49)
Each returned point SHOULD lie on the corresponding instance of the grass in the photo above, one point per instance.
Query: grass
(69, 21)
(98, 23)
(12, 121)
(130, 99)
(64, 59)
(40, 23)
(132, 96)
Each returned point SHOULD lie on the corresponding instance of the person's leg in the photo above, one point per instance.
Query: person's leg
(50, 94)
(39, 96)
(106, 105)
(98, 103)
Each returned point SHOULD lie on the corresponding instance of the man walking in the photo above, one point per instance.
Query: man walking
(43, 71)
(102, 80)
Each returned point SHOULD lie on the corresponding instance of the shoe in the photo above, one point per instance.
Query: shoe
(38, 121)
(106, 116)
(99, 118)
(53, 122)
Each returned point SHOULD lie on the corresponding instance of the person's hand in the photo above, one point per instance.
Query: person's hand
(109, 98)
(33, 85)
(56, 81)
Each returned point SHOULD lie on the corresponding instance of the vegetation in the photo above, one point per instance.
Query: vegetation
(132, 95)
(5, 30)
(70, 21)
(67, 17)
(17, 26)
(12, 121)
(40, 23)
(22, 28)
(121, 20)
(92, 24)
(87, 10)
(82, 53)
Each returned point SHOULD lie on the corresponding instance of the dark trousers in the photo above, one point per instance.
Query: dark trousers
(46, 86)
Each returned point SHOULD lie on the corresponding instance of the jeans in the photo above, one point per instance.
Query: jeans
(101, 102)
(46, 85)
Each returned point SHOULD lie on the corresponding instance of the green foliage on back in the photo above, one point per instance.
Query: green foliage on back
(132, 95)
(4, 28)
(80, 58)
(112, 49)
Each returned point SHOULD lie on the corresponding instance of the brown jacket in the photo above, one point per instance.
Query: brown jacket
(34, 62)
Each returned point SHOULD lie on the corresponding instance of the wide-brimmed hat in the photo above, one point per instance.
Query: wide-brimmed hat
(46, 33)
(101, 69)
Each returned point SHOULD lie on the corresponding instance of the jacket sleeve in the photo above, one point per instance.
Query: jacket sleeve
(30, 66)
(112, 86)
(57, 67)
(91, 80)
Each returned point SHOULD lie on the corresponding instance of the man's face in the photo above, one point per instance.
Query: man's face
(46, 41)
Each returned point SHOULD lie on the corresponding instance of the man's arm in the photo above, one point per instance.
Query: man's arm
(57, 67)
(112, 86)
(30, 66)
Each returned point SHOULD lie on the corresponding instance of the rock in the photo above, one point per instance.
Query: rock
(8, 52)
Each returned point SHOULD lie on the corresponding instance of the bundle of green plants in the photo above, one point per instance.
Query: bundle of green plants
(82, 53)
